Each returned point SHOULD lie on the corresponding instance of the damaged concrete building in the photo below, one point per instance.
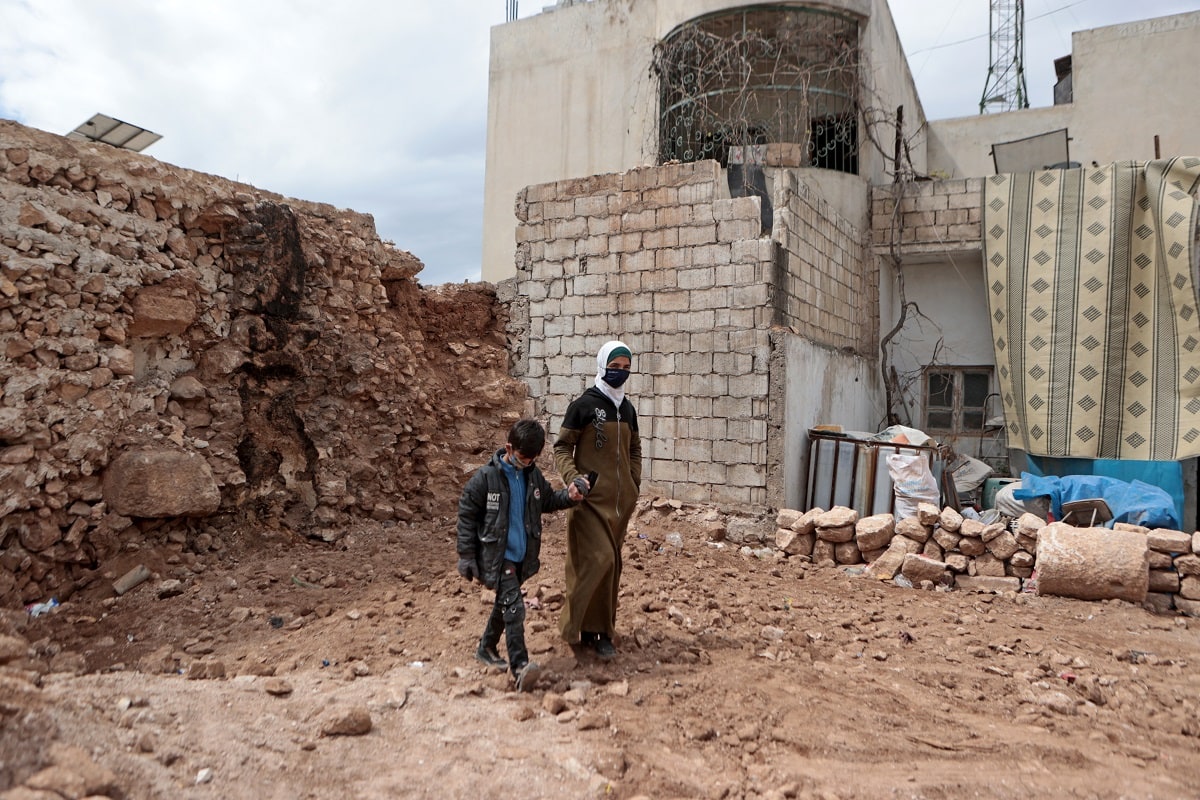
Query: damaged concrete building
(752, 197)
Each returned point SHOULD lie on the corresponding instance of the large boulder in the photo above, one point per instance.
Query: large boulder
(154, 482)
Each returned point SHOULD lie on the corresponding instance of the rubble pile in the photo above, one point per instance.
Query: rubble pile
(939, 547)
(175, 346)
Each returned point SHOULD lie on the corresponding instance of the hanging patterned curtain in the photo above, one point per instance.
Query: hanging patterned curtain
(1091, 277)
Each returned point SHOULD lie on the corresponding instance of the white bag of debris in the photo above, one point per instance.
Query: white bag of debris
(912, 482)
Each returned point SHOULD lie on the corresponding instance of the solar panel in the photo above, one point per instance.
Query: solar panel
(102, 128)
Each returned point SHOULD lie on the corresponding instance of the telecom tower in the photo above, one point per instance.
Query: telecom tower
(1005, 88)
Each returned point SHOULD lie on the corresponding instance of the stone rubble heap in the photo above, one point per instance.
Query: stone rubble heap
(175, 345)
(939, 547)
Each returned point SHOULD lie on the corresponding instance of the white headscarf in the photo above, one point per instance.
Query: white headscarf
(602, 359)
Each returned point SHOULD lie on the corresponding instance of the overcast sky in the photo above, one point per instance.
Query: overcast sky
(381, 106)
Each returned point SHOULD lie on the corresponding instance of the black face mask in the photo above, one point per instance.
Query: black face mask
(615, 377)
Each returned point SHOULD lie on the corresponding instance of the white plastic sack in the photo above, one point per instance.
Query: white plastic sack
(912, 483)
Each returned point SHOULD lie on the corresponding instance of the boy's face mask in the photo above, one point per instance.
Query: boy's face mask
(615, 377)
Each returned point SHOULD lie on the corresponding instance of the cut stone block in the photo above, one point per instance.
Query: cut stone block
(1092, 563)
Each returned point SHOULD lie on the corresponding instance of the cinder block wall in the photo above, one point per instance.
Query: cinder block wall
(661, 258)
(936, 214)
(658, 258)
(828, 292)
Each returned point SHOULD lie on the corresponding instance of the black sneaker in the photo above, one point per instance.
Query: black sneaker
(527, 676)
(490, 656)
(604, 647)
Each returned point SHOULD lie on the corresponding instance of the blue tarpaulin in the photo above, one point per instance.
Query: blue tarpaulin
(1134, 502)
(1166, 475)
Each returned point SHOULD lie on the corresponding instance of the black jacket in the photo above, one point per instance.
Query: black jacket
(483, 518)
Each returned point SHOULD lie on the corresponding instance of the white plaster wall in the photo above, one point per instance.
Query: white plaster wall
(962, 147)
(570, 95)
(889, 84)
(951, 293)
(823, 386)
(1130, 82)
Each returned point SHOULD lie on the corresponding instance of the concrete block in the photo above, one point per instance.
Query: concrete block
(672, 301)
(963, 201)
(752, 296)
(669, 470)
(661, 238)
(700, 419)
(676, 216)
(738, 229)
(703, 319)
(712, 473)
(604, 226)
(734, 208)
(655, 363)
(748, 385)
(590, 284)
(732, 363)
(747, 430)
(676, 385)
(592, 206)
(659, 449)
(559, 326)
(559, 250)
(558, 209)
(695, 363)
(701, 278)
(673, 258)
(697, 194)
(966, 233)
(661, 197)
(628, 242)
(570, 228)
(933, 202)
(638, 301)
(695, 235)
(712, 254)
(670, 342)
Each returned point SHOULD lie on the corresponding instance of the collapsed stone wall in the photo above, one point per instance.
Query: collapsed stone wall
(1158, 568)
(176, 346)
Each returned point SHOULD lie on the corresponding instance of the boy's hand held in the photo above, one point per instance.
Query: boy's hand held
(468, 568)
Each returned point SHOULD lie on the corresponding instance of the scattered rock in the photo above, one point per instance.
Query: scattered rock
(354, 721)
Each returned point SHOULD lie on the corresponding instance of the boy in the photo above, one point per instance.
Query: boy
(500, 539)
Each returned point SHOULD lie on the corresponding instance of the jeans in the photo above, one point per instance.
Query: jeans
(508, 616)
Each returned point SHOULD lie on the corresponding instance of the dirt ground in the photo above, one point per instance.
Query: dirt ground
(739, 676)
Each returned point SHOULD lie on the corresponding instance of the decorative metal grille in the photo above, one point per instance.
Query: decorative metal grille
(782, 77)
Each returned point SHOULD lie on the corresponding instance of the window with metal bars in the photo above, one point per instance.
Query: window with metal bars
(783, 77)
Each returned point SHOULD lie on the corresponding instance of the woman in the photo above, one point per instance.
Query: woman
(599, 435)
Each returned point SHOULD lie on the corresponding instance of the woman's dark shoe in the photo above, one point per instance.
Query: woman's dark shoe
(604, 647)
